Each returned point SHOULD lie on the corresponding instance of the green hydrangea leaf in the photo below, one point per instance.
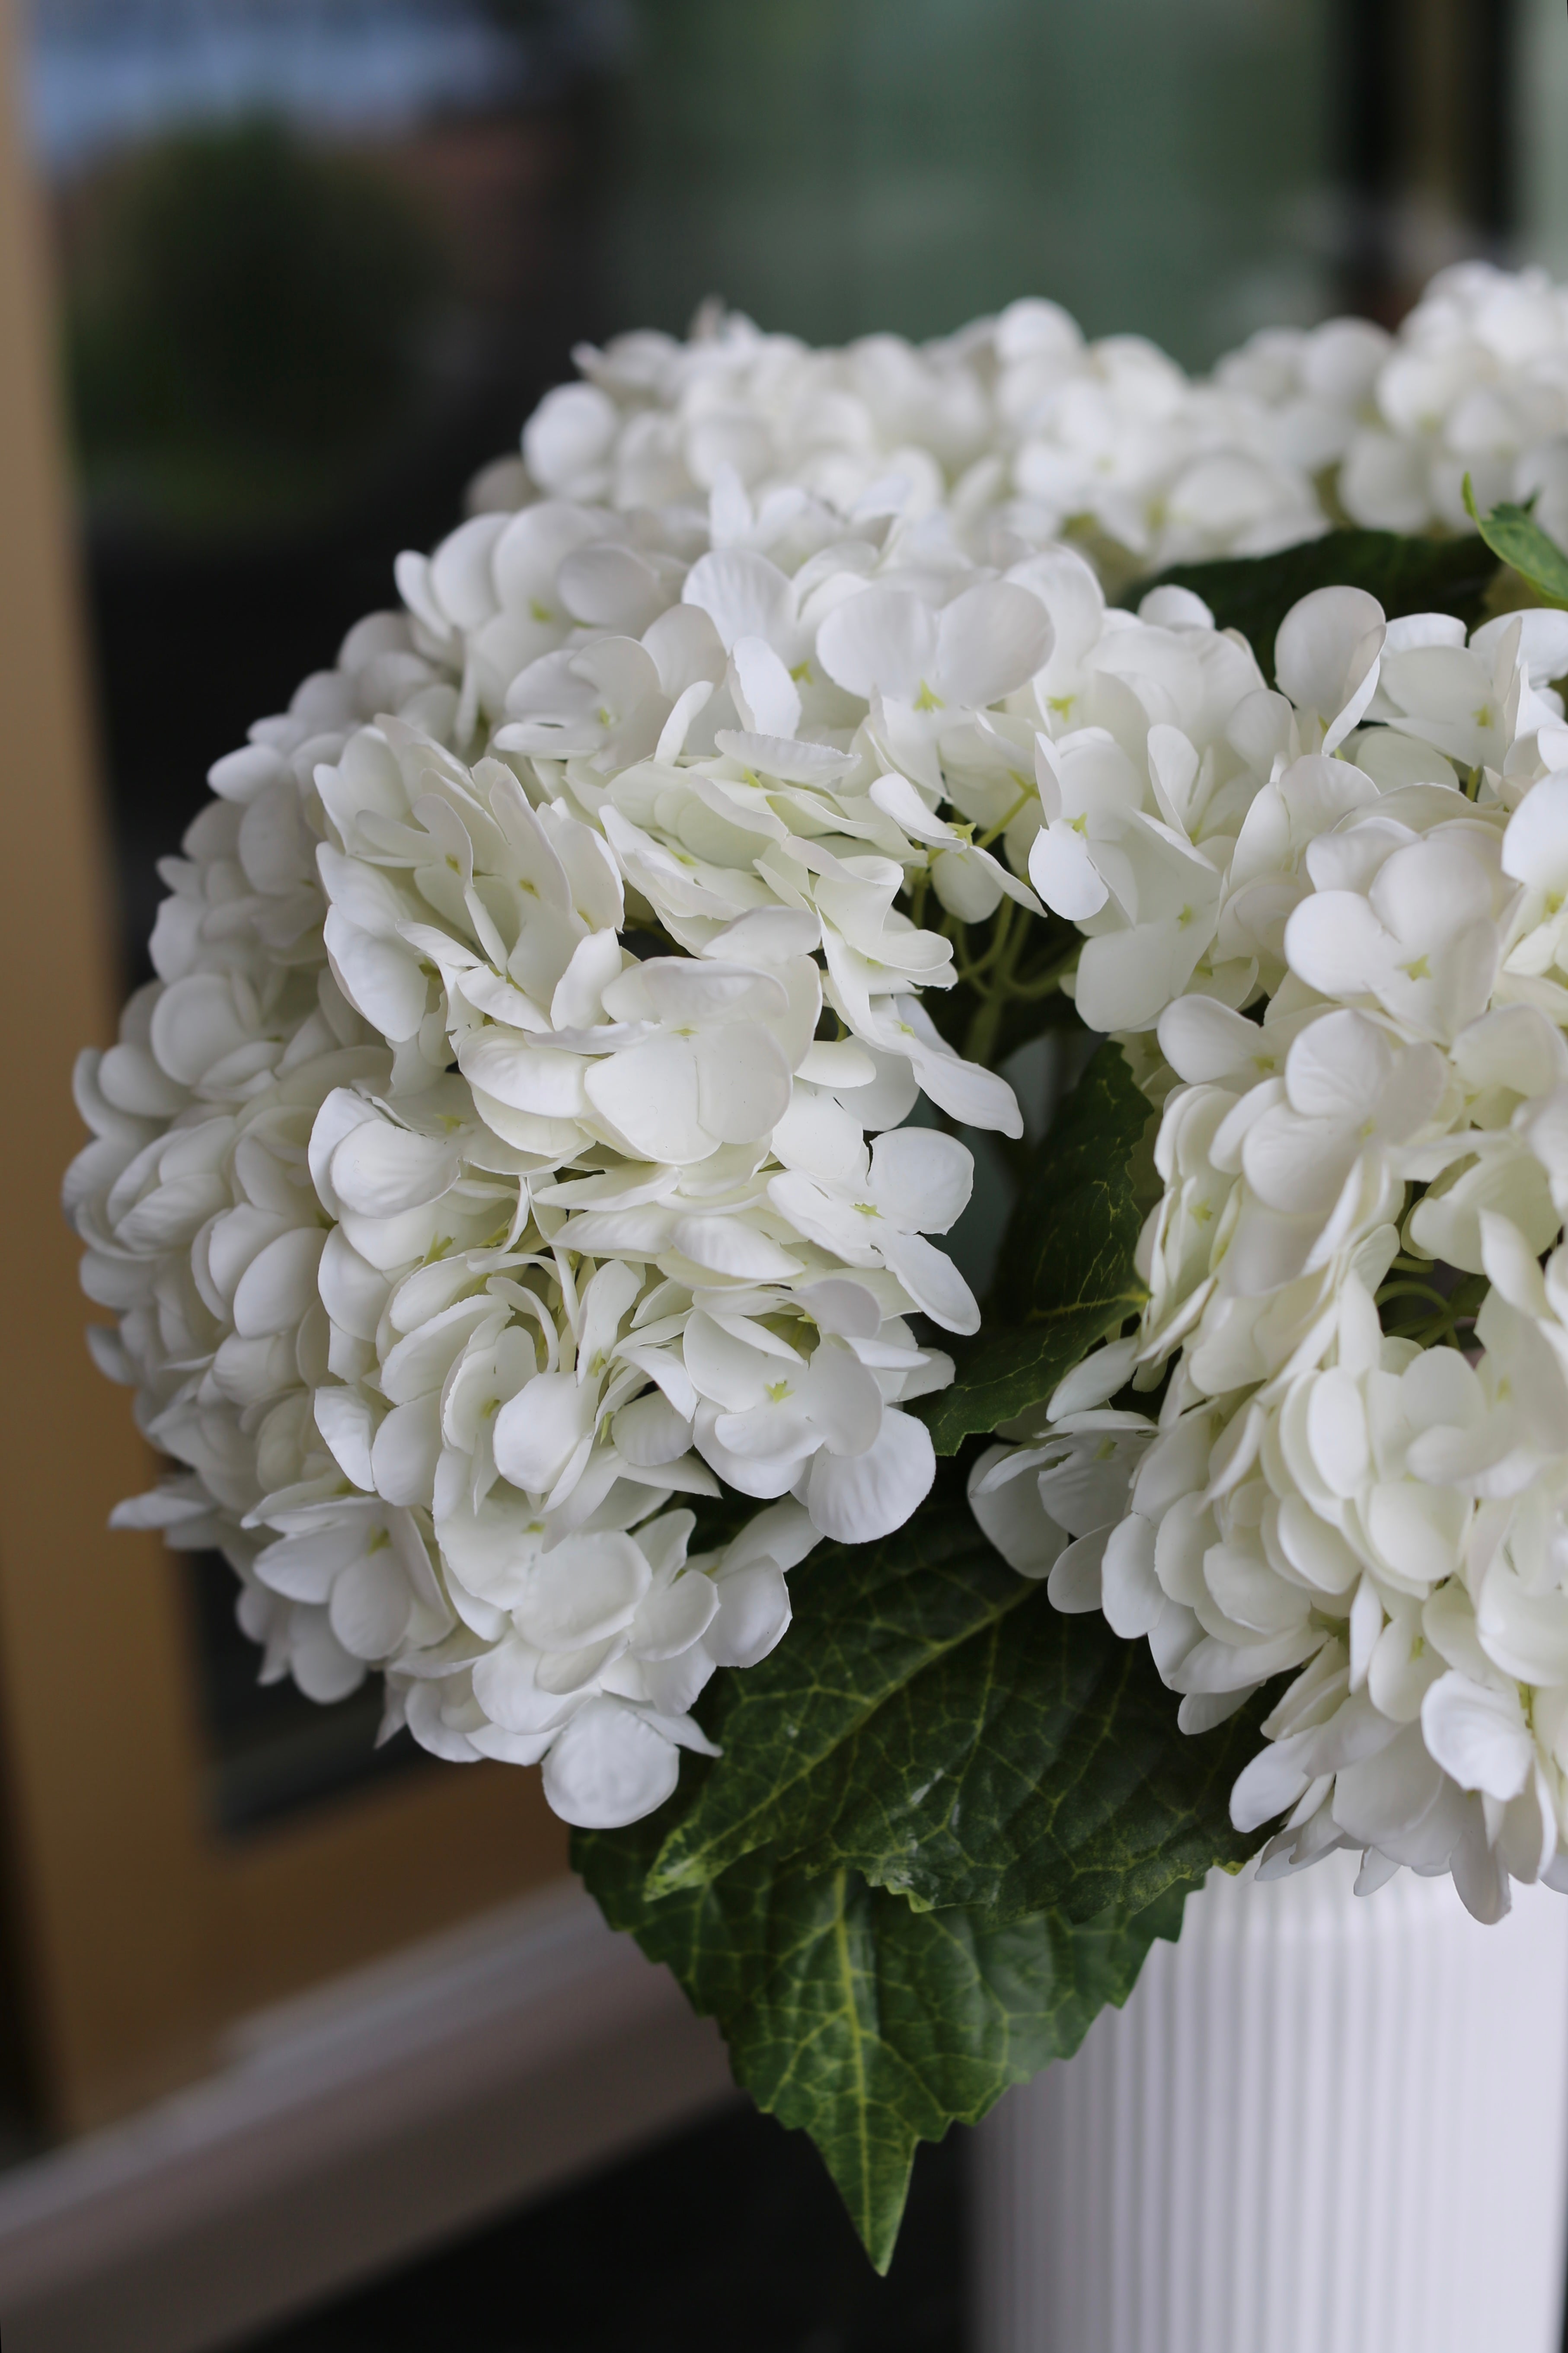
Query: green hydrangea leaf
(933, 1723)
(1037, 1766)
(867, 2024)
(869, 1620)
(1254, 593)
(1512, 532)
(1068, 1278)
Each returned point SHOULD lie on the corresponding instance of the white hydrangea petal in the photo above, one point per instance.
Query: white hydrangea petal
(348, 1425)
(613, 588)
(568, 439)
(650, 1094)
(743, 593)
(538, 1430)
(743, 1081)
(882, 642)
(674, 1616)
(1012, 1517)
(370, 1608)
(1074, 1582)
(1535, 847)
(846, 1401)
(405, 1450)
(1477, 1734)
(197, 1022)
(921, 1178)
(932, 1281)
(1130, 1594)
(1338, 1068)
(783, 1534)
(461, 576)
(1335, 943)
(1204, 1040)
(1543, 642)
(1388, 1796)
(429, 1714)
(584, 1590)
(752, 1616)
(324, 1670)
(649, 1431)
(855, 1498)
(1064, 873)
(505, 1683)
(379, 1169)
(609, 1767)
(990, 640)
(1326, 655)
(306, 1566)
(768, 698)
(278, 1288)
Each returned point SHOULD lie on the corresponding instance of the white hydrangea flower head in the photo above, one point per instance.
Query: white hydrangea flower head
(1358, 1469)
(514, 1149)
(512, 1142)
(1475, 382)
(1028, 433)
(1023, 431)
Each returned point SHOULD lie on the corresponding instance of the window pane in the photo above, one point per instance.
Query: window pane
(1541, 81)
(841, 166)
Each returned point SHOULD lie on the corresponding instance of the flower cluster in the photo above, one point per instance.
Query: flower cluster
(1475, 382)
(513, 1145)
(1026, 431)
(537, 1126)
(1017, 424)
(1357, 1314)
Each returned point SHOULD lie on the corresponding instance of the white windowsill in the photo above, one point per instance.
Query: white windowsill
(351, 2129)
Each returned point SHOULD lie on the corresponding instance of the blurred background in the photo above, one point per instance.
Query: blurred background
(310, 265)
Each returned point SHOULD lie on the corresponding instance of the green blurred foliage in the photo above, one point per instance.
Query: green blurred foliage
(247, 317)
(837, 167)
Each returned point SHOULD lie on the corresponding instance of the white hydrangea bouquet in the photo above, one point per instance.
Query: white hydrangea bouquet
(515, 1193)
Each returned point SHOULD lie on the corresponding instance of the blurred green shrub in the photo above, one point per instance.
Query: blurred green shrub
(249, 318)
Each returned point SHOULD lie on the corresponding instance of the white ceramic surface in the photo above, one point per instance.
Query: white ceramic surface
(1322, 2123)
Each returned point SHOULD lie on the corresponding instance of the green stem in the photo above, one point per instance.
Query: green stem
(980, 1042)
(1413, 1290)
(1045, 984)
(996, 831)
(1000, 952)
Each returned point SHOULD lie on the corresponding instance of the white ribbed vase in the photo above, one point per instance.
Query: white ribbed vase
(1321, 2124)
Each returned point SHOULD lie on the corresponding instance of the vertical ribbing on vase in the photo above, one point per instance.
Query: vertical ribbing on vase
(1146, 2257)
(1321, 2124)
